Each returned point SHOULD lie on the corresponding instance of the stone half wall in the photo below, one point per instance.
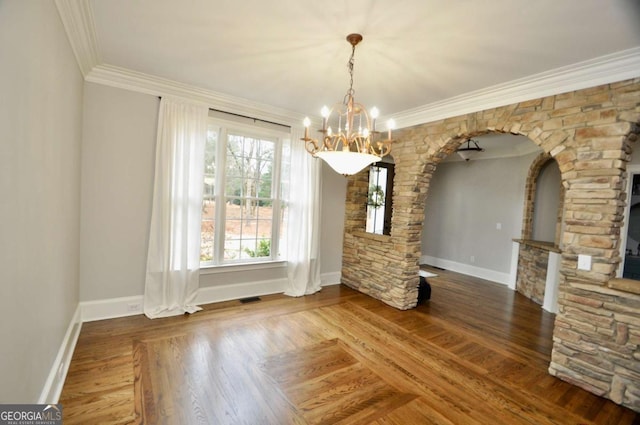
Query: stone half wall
(532, 271)
(590, 133)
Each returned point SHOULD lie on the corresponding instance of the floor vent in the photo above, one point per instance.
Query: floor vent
(249, 300)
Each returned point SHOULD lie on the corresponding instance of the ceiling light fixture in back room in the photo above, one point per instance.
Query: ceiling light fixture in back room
(350, 140)
(466, 152)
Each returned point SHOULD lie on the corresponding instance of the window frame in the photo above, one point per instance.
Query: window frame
(632, 170)
(279, 138)
(388, 198)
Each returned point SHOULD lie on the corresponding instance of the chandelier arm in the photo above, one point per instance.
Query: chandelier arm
(311, 146)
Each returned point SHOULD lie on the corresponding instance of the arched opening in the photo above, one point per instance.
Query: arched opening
(547, 204)
(473, 210)
(538, 264)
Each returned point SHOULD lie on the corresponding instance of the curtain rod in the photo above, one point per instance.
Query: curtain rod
(250, 118)
(247, 117)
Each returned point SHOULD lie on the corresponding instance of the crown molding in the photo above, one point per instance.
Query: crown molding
(603, 70)
(144, 83)
(606, 69)
(77, 18)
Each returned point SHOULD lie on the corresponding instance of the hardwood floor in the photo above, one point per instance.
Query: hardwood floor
(476, 353)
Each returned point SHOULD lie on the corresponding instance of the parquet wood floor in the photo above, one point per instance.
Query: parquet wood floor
(476, 353)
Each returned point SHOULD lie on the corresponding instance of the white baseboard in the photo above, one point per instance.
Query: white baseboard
(234, 291)
(130, 306)
(487, 274)
(219, 293)
(55, 380)
(111, 308)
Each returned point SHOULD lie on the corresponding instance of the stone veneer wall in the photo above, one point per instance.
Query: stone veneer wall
(589, 133)
(532, 272)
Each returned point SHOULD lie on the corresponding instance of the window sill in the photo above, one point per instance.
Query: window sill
(546, 246)
(374, 236)
(227, 268)
(625, 285)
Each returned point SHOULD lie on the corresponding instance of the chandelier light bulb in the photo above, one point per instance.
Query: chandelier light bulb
(391, 124)
(375, 113)
(306, 122)
(325, 116)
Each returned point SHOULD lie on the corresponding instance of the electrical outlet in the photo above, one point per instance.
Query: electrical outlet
(133, 306)
(472, 259)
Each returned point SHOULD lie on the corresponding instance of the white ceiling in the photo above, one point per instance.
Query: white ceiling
(292, 54)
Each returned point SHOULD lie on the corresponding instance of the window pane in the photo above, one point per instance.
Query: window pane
(210, 159)
(283, 230)
(208, 200)
(234, 186)
(231, 249)
(263, 248)
(248, 248)
(207, 231)
(263, 228)
(233, 229)
(376, 199)
(233, 208)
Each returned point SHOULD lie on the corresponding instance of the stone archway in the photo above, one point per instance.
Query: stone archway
(589, 133)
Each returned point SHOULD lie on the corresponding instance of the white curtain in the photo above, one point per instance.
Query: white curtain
(173, 260)
(303, 227)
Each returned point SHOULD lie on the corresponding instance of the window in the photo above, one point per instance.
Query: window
(243, 214)
(630, 235)
(379, 198)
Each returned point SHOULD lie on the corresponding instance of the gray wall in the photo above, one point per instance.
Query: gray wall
(40, 132)
(117, 183)
(118, 152)
(465, 202)
(547, 202)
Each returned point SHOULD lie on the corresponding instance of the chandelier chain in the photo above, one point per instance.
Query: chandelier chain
(350, 64)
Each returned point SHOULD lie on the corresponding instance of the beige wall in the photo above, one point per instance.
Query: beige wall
(40, 133)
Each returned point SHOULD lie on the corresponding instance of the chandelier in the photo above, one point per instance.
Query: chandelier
(350, 140)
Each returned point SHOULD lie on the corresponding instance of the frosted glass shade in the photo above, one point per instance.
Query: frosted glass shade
(347, 163)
